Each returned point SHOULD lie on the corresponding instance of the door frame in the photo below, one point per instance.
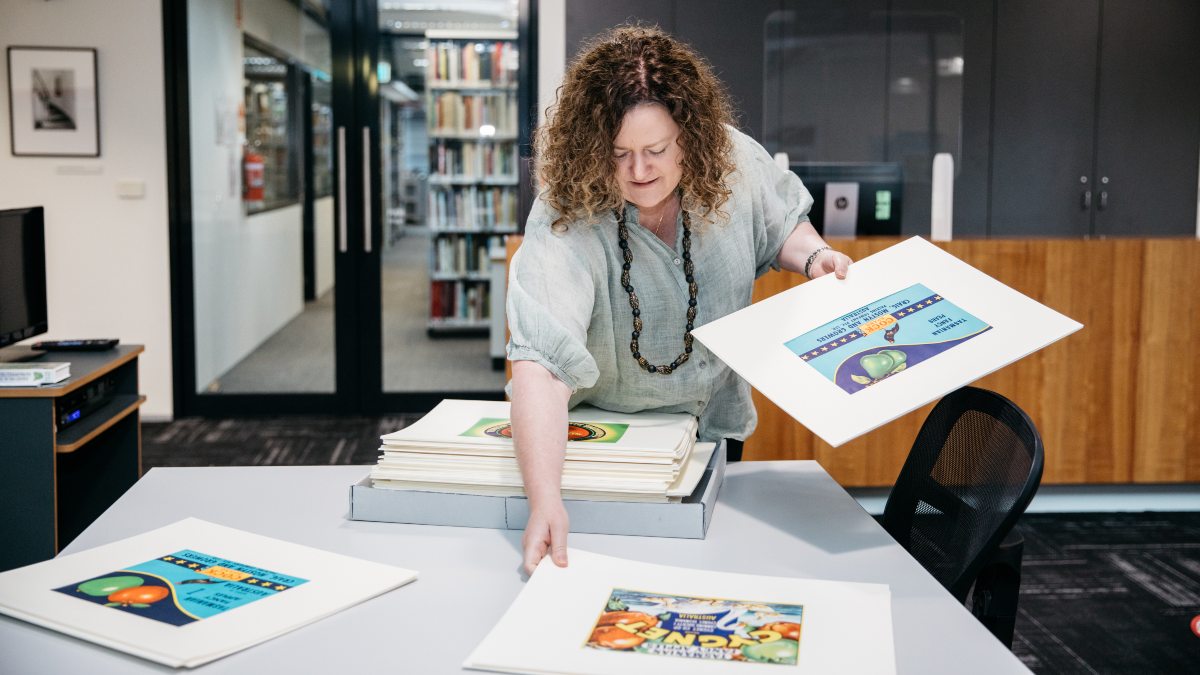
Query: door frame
(358, 351)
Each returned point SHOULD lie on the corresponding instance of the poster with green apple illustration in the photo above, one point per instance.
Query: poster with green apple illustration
(182, 587)
(886, 337)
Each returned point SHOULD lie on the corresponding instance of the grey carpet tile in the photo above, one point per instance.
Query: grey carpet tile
(267, 441)
(1109, 593)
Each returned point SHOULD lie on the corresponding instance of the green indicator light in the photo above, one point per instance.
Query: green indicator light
(883, 204)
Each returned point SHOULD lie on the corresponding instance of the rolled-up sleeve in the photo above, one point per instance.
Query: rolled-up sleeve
(781, 198)
(549, 308)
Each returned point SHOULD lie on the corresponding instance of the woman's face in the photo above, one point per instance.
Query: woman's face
(648, 157)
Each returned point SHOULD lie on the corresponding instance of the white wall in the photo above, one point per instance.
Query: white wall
(249, 271)
(107, 258)
(323, 222)
(552, 51)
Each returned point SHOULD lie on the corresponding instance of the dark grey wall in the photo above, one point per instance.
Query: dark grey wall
(1051, 91)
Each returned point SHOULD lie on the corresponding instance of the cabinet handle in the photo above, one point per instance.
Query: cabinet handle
(1103, 199)
(341, 172)
(366, 155)
(1087, 199)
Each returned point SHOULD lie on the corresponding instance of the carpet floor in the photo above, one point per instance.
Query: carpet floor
(1100, 593)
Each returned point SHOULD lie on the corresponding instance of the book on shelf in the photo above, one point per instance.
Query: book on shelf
(32, 374)
(477, 62)
(191, 592)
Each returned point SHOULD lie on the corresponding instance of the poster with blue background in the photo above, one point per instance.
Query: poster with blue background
(182, 587)
(886, 337)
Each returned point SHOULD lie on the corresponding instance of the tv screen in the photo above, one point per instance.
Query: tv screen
(22, 274)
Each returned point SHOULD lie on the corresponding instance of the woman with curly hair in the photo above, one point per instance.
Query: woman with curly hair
(655, 215)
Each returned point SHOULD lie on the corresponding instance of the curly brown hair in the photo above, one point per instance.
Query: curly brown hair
(628, 66)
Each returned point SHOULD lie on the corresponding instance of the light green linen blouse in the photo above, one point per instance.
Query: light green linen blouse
(568, 311)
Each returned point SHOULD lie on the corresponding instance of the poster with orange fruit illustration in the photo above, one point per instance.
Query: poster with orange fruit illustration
(699, 628)
(182, 587)
(591, 432)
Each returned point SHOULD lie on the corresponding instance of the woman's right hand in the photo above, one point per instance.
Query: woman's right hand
(546, 532)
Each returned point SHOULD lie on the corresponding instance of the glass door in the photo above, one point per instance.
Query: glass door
(264, 279)
(343, 176)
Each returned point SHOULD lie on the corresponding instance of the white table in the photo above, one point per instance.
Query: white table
(775, 518)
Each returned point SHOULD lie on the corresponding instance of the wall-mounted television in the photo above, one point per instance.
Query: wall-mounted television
(22, 274)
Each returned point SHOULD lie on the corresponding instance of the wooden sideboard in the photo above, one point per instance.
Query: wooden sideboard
(1117, 402)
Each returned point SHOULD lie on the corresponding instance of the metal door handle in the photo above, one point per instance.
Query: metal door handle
(366, 167)
(1087, 199)
(341, 178)
(1103, 198)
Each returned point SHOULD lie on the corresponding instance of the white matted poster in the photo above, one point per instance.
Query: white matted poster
(191, 592)
(608, 615)
(908, 325)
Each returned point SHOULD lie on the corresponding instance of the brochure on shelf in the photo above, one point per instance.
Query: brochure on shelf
(602, 614)
(33, 373)
(191, 592)
(906, 326)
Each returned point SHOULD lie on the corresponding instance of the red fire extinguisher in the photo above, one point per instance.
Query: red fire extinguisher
(254, 168)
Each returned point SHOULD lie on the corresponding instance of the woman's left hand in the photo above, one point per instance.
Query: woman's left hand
(830, 261)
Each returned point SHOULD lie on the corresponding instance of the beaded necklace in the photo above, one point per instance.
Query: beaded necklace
(688, 270)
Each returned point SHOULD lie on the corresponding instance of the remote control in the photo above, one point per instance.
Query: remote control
(95, 345)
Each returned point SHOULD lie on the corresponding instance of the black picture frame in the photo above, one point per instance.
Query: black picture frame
(53, 101)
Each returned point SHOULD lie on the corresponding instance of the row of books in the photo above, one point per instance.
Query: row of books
(32, 374)
(473, 208)
(486, 63)
(484, 160)
(462, 254)
(466, 447)
(458, 300)
(466, 114)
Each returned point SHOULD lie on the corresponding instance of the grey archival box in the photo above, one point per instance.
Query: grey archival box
(687, 519)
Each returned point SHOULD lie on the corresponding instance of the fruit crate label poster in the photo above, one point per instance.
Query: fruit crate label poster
(592, 432)
(182, 587)
(886, 337)
(699, 628)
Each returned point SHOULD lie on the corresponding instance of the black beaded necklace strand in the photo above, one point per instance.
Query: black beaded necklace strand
(688, 270)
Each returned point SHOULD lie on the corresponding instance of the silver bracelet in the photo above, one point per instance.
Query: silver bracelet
(812, 257)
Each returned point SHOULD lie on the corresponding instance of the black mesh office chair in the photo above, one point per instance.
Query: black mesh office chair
(972, 471)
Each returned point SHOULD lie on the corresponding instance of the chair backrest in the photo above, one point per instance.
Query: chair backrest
(972, 471)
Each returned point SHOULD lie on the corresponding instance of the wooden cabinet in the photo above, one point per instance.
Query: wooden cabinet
(55, 483)
(1116, 402)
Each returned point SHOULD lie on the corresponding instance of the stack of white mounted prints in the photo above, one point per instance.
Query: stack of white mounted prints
(466, 447)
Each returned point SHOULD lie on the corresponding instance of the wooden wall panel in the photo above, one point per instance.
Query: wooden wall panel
(1167, 415)
(1116, 402)
(1080, 391)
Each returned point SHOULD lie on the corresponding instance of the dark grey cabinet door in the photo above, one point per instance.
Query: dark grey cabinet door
(1148, 118)
(1043, 118)
(730, 35)
(588, 18)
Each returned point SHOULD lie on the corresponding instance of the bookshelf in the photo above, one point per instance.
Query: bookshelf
(472, 125)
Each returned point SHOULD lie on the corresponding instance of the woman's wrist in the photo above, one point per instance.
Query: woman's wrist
(812, 258)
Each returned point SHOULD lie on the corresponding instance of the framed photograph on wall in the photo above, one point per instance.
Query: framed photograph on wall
(53, 102)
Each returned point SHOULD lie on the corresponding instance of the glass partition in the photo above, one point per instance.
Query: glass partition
(861, 98)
